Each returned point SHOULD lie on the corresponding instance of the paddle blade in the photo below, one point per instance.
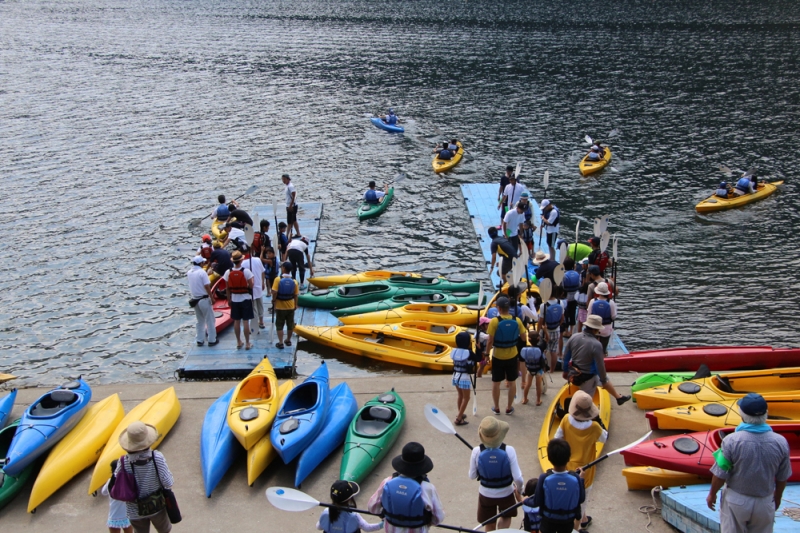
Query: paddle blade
(480, 294)
(400, 177)
(614, 248)
(546, 180)
(604, 241)
(577, 230)
(287, 499)
(631, 445)
(545, 289)
(518, 170)
(613, 133)
(562, 252)
(596, 227)
(588, 139)
(558, 274)
(249, 234)
(251, 190)
(438, 419)
(725, 170)
(195, 222)
(603, 223)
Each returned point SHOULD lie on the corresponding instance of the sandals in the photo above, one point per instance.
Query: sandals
(279, 345)
(288, 343)
(461, 421)
(239, 346)
(248, 347)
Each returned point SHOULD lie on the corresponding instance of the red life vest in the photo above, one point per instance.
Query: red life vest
(205, 251)
(256, 245)
(237, 283)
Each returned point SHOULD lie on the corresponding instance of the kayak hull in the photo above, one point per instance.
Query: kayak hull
(253, 405)
(657, 379)
(443, 165)
(583, 251)
(324, 282)
(587, 167)
(378, 123)
(649, 477)
(366, 210)
(43, 424)
(369, 439)
(714, 415)
(260, 456)
(220, 306)
(399, 300)
(10, 485)
(355, 294)
(218, 445)
(717, 358)
(716, 203)
(437, 283)
(458, 315)
(6, 406)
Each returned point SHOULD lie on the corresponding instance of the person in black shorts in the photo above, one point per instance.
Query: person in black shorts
(505, 332)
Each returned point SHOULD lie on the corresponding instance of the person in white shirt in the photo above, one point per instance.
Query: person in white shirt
(200, 291)
(239, 290)
(512, 224)
(374, 197)
(254, 265)
(297, 254)
(512, 193)
(550, 218)
(291, 206)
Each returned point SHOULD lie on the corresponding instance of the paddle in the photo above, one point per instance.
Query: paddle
(562, 252)
(196, 221)
(545, 289)
(558, 274)
(614, 265)
(498, 515)
(614, 452)
(474, 378)
(577, 229)
(603, 225)
(439, 420)
(588, 140)
(546, 183)
(604, 241)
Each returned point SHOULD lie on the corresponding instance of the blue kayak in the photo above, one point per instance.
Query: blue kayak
(302, 415)
(218, 444)
(45, 423)
(342, 409)
(6, 406)
(384, 126)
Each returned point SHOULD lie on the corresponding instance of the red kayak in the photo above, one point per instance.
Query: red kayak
(717, 358)
(692, 453)
(219, 303)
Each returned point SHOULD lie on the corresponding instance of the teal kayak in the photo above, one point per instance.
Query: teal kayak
(11, 485)
(373, 210)
(399, 300)
(355, 294)
(439, 284)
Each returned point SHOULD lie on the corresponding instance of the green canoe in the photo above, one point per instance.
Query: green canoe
(438, 284)
(371, 435)
(373, 210)
(657, 379)
(399, 300)
(355, 294)
(9, 485)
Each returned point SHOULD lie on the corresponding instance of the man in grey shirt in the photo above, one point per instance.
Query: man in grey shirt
(753, 464)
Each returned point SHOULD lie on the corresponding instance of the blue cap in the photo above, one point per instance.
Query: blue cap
(753, 404)
(391, 110)
(492, 312)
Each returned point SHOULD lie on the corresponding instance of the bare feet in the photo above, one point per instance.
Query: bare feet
(524, 401)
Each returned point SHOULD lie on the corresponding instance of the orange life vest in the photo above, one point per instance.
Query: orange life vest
(237, 283)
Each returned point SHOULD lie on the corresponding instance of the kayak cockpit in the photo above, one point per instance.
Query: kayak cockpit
(53, 403)
(375, 420)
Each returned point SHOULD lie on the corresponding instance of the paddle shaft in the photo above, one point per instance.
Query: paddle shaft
(498, 515)
(197, 221)
(362, 511)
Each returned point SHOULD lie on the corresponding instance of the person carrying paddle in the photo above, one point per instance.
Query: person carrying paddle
(407, 499)
(443, 152)
(335, 520)
(494, 464)
(505, 179)
(390, 118)
(373, 197)
(505, 334)
(222, 211)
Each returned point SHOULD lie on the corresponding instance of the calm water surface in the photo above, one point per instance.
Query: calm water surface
(120, 121)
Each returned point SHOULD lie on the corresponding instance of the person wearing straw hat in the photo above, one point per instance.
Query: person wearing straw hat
(407, 499)
(336, 520)
(239, 290)
(544, 266)
(582, 432)
(494, 464)
(152, 474)
(607, 310)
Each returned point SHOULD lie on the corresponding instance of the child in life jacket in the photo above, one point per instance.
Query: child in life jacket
(527, 235)
(463, 364)
(480, 344)
(336, 520)
(536, 365)
(531, 519)
(559, 493)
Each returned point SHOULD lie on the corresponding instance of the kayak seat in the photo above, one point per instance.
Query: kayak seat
(439, 329)
(352, 291)
(377, 340)
(53, 403)
(373, 421)
(724, 385)
(452, 329)
(438, 350)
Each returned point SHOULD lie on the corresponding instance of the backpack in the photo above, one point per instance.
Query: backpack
(286, 289)
(572, 281)
(507, 333)
(562, 496)
(237, 282)
(552, 315)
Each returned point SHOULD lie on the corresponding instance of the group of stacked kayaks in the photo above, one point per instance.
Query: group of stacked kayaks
(306, 423)
(60, 435)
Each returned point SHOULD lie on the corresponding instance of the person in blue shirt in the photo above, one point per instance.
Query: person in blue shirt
(443, 152)
(452, 146)
(371, 196)
(594, 154)
(390, 118)
(723, 190)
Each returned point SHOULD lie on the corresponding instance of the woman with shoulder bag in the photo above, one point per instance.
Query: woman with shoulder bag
(152, 478)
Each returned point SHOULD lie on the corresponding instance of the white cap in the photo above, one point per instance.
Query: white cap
(544, 204)
(198, 260)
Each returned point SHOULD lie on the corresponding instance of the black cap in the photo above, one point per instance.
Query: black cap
(341, 490)
(492, 232)
(509, 168)
(371, 184)
(503, 302)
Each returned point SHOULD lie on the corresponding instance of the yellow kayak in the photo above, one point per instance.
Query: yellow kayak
(523, 295)
(443, 165)
(6, 377)
(389, 346)
(324, 282)
(552, 420)
(216, 232)
(717, 203)
(713, 415)
(263, 453)
(587, 167)
(725, 386)
(458, 315)
(78, 450)
(444, 333)
(160, 410)
(648, 477)
(254, 404)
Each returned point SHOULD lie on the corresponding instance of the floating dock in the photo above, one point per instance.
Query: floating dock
(481, 200)
(226, 361)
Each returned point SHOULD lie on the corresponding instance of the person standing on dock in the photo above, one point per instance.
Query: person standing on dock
(239, 290)
(505, 333)
(255, 266)
(297, 254)
(607, 310)
(512, 193)
(500, 245)
(284, 299)
(753, 463)
(550, 218)
(505, 179)
(291, 206)
(200, 290)
(512, 226)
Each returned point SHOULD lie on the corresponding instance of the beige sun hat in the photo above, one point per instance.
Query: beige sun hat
(540, 257)
(602, 289)
(582, 407)
(492, 432)
(138, 437)
(594, 322)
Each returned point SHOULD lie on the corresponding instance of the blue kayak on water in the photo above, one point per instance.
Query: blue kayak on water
(302, 415)
(342, 409)
(388, 127)
(6, 406)
(45, 423)
(218, 444)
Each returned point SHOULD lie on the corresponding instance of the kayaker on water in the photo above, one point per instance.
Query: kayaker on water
(744, 186)
(723, 190)
(390, 118)
(335, 520)
(550, 217)
(407, 499)
(452, 146)
(443, 153)
(373, 197)
(222, 212)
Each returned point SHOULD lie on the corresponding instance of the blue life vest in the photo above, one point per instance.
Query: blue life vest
(561, 496)
(345, 523)
(494, 468)
(558, 217)
(445, 154)
(371, 197)
(223, 212)
(593, 156)
(507, 333)
(722, 193)
(571, 281)
(286, 289)
(453, 148)
(743, 184)
(461, 361)
(391, 119)
(552, 315)
(603, 309)
(534, 360)
(532, 519)
(402, 503)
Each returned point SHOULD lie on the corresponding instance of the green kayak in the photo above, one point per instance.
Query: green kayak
(373, 210)
(355, 294)
(399, 300)
(371, 434)
(657, 379)
(9, 485)
(583, 251)
(439, 284)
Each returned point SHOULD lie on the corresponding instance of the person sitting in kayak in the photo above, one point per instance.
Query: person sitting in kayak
(390, 118)
(723, 190)
(743, 186)
(453, 146)
(443, 152)
(374, 197)
(600, 149)
(594, 154)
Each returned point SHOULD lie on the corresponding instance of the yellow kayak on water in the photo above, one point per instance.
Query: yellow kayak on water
(254, 404)
(443, 165)
(389, 346)
(717, 203)
(324, 282)
(160, 410)
(78, 450)
(218, 233)
(458, 315)
(587, 167)
(263, 453)
(712, 415)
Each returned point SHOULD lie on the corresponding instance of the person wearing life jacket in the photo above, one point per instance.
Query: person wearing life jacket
(536, 364)
(481, 338)
(406, 499)
(336, 520)
(374, 197)
(594, 154)
(532, 517)
(443, 153)
(390, 118)
(723, 190)
(594, 277)
(261, 239)
(495, 466)
(206, 248)
(606, 309)
(550, 218)
(551, 316)
(501, 246)
(743, 186)
(239, 291)
(222, 212)
(571, 283)
(284, 300)
(525, 200)
(463, 367)
(582, 432)
(559, 492)
(506, 334)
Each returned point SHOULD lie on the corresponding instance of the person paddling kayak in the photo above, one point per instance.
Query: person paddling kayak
(373, 197)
